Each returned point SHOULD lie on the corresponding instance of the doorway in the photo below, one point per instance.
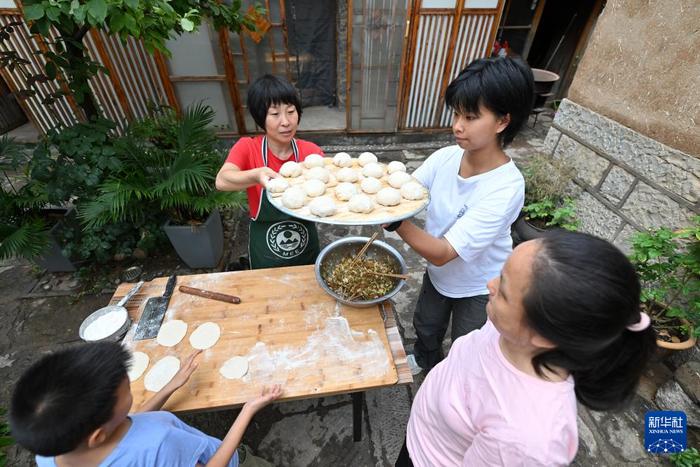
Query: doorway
(312, 42)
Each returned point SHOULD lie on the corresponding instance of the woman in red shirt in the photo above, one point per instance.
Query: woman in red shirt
(275, 238)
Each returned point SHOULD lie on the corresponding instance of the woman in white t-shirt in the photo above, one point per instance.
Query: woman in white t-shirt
(476, 193)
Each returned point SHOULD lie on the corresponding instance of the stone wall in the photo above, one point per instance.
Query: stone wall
(642, 69)
(624, 181)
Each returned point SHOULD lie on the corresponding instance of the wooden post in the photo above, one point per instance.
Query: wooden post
(231, 80)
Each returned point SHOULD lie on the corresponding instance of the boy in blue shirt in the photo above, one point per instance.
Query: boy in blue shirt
(72, 408)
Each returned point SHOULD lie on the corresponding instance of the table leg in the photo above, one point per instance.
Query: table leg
(357, 400)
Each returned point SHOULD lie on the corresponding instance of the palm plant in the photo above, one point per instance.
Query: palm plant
(168, 167)
(23, 232)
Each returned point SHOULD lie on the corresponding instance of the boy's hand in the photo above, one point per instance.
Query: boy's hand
(186, 370)
(265, 174)
(267, 396)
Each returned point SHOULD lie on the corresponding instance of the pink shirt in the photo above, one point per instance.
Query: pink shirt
(475, 408)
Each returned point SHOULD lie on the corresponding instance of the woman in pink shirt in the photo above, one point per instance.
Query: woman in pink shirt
(564, 324)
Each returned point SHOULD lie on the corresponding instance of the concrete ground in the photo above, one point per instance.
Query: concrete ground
(41, 312)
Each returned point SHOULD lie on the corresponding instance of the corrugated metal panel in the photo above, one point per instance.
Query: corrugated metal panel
(430, 52)
(472, 43)
(430, 55)
(133, 71)
(22, 42)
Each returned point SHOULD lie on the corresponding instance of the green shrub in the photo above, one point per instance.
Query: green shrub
(668, 264)
(23, 232)
(546, 180)
(546, 210)
(168, 168)
(5, 438)
(688, 458)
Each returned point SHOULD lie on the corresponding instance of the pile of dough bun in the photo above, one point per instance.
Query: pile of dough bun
(346, 187)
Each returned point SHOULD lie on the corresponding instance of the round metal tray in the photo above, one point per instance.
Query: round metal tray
(343, 247)
(116, 336)
(348, 218)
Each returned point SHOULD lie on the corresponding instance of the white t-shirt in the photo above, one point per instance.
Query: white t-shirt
(474, 214)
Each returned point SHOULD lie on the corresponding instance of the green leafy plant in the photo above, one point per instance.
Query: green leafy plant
(152, 21)
(71, 162)
(563, 216)
(23, 232)
(5, 438)
(69, 166)
(668, 264)
(168, 167)
(546, 180)
(688, 458)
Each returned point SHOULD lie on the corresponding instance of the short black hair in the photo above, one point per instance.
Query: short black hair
(67, 395)
(270, 90)
(503, 85)
(583, 294)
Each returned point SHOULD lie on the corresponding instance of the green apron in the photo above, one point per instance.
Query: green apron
(277, 239)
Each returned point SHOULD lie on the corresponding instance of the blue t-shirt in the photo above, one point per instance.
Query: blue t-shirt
(155, 439)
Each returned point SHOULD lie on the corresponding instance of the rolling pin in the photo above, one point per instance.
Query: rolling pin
(208, 294)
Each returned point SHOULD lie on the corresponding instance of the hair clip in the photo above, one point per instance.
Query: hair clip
(642, 324)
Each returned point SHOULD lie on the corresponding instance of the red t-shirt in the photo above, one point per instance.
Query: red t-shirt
(246, 154)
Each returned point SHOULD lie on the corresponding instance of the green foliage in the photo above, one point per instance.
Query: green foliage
(23, 233)
(69, 165)
(546, 180)
(668, 264)
(168, 168)
(152, 21)
(563, 216)
(688, 458)
(5, 438)
(73, 161)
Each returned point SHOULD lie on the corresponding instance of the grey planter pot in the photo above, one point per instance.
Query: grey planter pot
(198, 246)
(53, 260)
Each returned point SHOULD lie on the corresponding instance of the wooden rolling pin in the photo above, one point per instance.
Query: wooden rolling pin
(222, 297)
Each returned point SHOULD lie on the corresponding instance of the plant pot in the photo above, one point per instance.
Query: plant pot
(53, 260)
(526, 231)
(199, 246)
(686, 344)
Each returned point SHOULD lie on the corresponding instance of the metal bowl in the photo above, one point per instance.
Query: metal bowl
(349, 246)
(115, 336)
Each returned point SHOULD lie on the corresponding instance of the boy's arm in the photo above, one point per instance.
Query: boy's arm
(233, 438)
(232, 178)
(160, 398)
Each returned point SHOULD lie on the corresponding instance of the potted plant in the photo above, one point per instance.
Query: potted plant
(26, 228)
(167, 171)
(668, 264)
(545, 206)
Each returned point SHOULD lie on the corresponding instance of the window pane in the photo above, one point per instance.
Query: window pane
(481, 4)
(438, 4)
(214, 94)
(196, 54)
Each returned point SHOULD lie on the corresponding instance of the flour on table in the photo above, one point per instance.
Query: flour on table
(105, 325)
(139, 363)
(351, 352)
(205, 336)
(234, 368)
(171, 333)
(161, 373)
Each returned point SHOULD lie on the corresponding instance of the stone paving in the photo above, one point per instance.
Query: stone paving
(41, 313)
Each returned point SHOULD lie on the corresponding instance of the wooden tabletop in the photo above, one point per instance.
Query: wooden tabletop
(289, 329)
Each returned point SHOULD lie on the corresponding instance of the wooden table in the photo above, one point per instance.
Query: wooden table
(292, 332)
